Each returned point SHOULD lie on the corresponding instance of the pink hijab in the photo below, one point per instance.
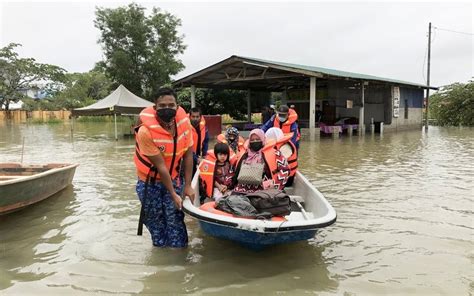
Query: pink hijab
(252, 156)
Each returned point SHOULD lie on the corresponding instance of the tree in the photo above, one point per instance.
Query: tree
(140, 51)
(82, 89)
(212, 101)
(454, 104)
(78, 90)
(17, 74)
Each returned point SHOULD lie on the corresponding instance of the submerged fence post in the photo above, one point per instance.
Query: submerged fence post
(115, 123)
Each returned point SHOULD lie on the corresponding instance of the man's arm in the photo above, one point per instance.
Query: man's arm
(205, 144)
(159, 163)
(269, 124)
(294, 130)
(188, 172)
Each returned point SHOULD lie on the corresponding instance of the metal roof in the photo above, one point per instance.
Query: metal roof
(220, 74)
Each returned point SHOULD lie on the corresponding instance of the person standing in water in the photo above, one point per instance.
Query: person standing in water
(163, 139)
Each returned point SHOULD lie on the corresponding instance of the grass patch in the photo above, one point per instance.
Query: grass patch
(105, 119)
(47, 121)
(256, 118)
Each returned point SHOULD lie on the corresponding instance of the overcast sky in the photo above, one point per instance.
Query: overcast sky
(377, 38)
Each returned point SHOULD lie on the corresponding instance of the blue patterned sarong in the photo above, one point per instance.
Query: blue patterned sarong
(164, 222)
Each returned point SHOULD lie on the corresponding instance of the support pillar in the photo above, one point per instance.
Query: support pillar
(335, 132)
(312, 103)
(361, 110)
(193, 96)
(284, 97)
(249, 107)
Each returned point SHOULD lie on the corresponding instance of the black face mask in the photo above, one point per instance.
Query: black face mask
(195, 123)
(256, 146)
(166, 114)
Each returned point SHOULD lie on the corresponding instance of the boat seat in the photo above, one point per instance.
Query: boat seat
(297, 198)
(211, 208)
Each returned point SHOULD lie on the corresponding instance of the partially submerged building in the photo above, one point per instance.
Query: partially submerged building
(365, 98)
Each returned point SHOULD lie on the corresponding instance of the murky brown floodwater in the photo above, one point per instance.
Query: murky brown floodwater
(405, 223)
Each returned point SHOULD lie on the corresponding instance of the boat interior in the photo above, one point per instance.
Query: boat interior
(9, 171)
(306, 202)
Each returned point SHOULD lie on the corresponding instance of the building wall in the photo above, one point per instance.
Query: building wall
(414, 121)
(378, 103)
(411, 99)
(376, 99)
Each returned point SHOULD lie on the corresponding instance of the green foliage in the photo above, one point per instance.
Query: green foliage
(140, 51)
(77, 90)
(48, 121)
(256, 118)
(106, 119)
(454, 104)
(31, 104)
(22, 73)
(82, 89)
(212, 102)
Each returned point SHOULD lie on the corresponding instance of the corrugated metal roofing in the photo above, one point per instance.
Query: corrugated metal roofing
(334, 72)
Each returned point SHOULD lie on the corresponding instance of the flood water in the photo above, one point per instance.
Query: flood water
(405, 223)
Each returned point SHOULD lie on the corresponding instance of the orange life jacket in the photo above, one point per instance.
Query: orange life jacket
(198, 139)
(207, 170)
(293, 159)
(269, 157)
(171, 148)
(240, 145)
(286, 126)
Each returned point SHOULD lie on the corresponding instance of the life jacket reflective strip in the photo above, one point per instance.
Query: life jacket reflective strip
(286, 126)
(198, 139)
(269, 157)
(172, 148)
(206, 173)
(293, 158)
(207, 169)
(240, 145)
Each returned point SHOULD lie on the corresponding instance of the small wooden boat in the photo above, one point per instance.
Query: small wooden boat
(301, 224)
(23, 185)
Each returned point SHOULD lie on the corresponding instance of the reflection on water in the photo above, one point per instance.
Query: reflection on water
(404, 204)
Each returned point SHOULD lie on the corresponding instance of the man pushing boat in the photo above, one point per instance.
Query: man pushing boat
(163, 142)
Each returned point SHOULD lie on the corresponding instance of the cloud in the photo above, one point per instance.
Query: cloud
(383, 39)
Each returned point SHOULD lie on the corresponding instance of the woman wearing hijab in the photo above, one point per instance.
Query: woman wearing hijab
(260, 166)
(231, 137)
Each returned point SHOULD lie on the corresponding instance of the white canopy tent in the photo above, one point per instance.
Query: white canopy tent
(120, 102)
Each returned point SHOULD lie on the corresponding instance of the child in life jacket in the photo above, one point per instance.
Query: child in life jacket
(223, 172)
(216, 172)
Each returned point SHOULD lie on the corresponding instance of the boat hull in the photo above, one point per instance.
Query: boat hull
(258, 234)
(252, 239)
(22, 192)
